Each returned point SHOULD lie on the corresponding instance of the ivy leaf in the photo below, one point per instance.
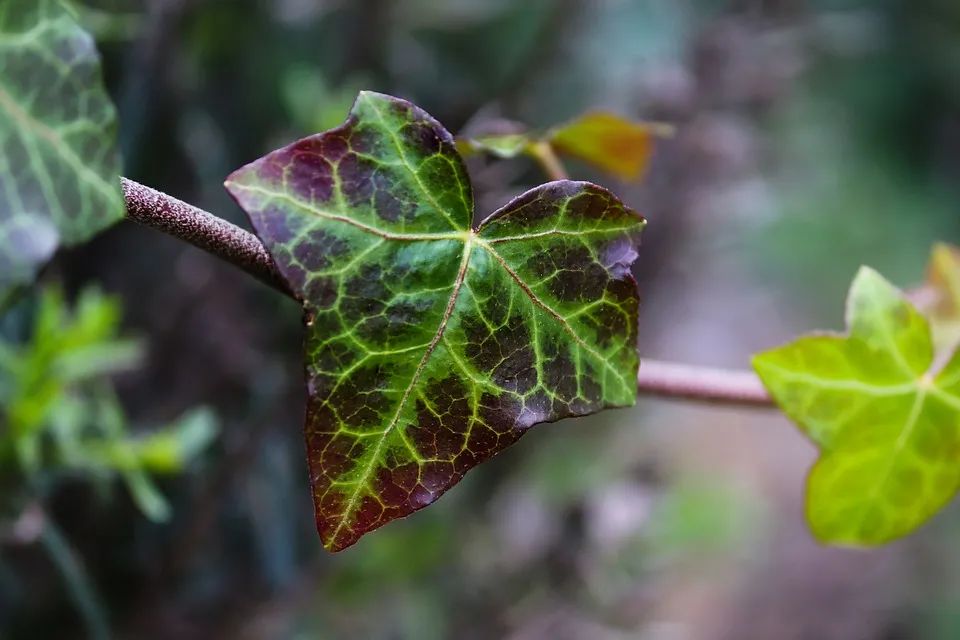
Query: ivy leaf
(886, 420)
(614, 144)
(58, 157)
(432, 345)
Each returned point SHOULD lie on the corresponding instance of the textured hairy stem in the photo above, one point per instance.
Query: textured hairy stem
(203, 230)
(244, 250)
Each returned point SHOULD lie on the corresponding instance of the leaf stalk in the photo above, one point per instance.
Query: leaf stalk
(203, 230)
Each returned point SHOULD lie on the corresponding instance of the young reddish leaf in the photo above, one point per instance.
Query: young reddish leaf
(612, 143)
(58, 156)
(944, 276)
(431, 346)
(609, 142)
(887, 423)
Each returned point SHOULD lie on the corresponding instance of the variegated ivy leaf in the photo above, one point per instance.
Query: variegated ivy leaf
(433, 345)
(884, 412)
(59, 164)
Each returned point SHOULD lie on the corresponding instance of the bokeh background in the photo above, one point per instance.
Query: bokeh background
(813, 136)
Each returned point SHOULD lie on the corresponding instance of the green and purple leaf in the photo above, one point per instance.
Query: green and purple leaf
(432, 345)
(59, 163)
(883, 408)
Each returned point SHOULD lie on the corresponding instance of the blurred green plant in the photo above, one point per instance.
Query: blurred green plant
(61, 419)
(312, 104)
(62, 416)
(697, 518)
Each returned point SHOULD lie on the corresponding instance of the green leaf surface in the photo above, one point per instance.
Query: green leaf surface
(432, 345)
(59, 164)
(886, 420)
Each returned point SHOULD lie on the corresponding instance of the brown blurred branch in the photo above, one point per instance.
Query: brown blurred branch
(244, 250)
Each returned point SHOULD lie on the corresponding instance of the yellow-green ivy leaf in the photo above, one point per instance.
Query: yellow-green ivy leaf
(886, 420)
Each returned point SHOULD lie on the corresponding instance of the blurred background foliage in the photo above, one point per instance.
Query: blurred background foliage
(812, 136)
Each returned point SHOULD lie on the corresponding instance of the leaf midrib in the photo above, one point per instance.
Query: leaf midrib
(361, 484)
(916, 410)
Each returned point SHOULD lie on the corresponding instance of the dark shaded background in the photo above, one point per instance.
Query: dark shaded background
(813, 136)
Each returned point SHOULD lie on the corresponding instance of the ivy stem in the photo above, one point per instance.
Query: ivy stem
(242, 249)
(701, 384)
(203, 230)
(547, 158)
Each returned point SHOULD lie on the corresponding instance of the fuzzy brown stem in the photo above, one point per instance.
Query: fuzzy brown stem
(203, 230)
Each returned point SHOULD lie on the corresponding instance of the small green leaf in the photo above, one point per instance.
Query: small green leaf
(432, 345)
(611, 142)
(886, 421)
(504, 145)
(59, 164)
